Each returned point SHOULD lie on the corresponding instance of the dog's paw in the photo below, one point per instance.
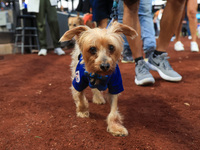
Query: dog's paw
(98, 100)
(83, 114)
(117, 130)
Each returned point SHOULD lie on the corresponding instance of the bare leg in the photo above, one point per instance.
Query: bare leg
(114, 119)
(169, 23)
(131, 18)
(98, 97)
(81, 103)
(191, 13)
(178, 31)
(103, 23)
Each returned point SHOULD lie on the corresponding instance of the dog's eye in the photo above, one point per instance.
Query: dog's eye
(69, 24)
(111, 48)
(74, 25)
(93, 50)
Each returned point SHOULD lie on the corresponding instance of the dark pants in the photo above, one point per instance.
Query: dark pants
(46, 11)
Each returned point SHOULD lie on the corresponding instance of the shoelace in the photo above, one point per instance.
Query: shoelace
(165, 63)
(144, 68)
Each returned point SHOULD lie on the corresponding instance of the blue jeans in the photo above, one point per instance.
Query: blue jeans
(146, 24)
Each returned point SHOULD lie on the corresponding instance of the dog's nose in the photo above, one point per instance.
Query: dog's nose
(105, 66)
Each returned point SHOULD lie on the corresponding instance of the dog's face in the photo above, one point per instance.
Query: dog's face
(74, 22)
(101, 48)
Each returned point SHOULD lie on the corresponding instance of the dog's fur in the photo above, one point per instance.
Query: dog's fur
(77, 20)
(100, 39)
(74, 22)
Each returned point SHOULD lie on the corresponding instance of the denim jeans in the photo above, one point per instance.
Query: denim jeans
(146, 24)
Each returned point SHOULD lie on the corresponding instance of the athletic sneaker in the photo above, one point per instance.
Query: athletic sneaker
(127, 56)
(194, 47)
(59, 51)
(160, 64)
(178, 46)
(42, 52)
(189, 37)
(142, 74)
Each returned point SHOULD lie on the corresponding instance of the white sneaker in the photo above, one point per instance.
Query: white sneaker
(42, 52)
(59, 51)
(189, 37)
(194, 47)
(178, 46)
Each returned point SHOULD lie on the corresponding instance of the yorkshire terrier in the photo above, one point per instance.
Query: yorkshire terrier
(95, 64)
(76, 21)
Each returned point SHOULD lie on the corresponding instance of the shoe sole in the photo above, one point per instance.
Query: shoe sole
(59, 54)
(146, 81)
(123, 61)
(179, 50)
(194, 50)
(42, 54)
(162, 75)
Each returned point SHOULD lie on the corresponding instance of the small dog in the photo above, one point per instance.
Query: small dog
(74, 22)
(94, 63)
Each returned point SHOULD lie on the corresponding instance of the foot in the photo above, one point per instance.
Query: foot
(127, 56)
(117, 130)
(189, 37)
(83, 114)
(42, 52)
(115, 126)
(98, 99)
(178, 46)
(194, 47)
(59, 51)
(160, 64)
(142, 74)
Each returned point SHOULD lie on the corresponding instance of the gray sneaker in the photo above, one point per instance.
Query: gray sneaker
(142, 74)
(160, 64)
(127, 56)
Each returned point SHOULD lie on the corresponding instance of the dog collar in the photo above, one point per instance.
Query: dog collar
(94, 76)
(97, 81)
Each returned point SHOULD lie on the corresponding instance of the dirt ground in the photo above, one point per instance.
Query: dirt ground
(37, 111)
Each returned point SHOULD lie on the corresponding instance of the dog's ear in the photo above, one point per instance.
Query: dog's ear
(73, 32)
(122, 28)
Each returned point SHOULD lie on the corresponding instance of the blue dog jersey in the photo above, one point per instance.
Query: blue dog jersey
(113, 82)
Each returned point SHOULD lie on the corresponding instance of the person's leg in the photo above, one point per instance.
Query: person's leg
(120, 20)
(191, 12)
(178, 31)
(53, 23)
(41, 24)
(178, 46)
(142, 74)
(147, 26)
(103, 23)
(127, 54)
(169, 23)
(106, 6)
(54, 27)
(131, 18)
(101, 10)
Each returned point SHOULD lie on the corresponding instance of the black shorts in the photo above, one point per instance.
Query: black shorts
(101, 9)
